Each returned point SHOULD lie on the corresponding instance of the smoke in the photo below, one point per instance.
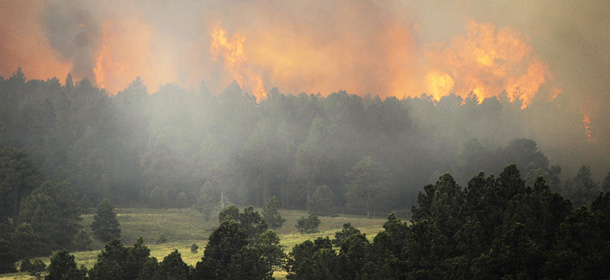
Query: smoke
(552, 57)
(74, 34)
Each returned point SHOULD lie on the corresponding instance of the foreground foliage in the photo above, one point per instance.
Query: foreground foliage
(495, 228)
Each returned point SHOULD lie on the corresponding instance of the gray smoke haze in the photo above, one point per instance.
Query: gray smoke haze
(363, 47)
(74, 34)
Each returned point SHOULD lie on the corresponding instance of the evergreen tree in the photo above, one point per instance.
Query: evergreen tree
(313, 260)
(172, 268)
(232, 254)
(223, 243)
(347, 231)
(18, 178)
(81, 241)
(63, 267)
(268, 245)
(271, 213)
(27, 243)
(7, 258)
(321, 201)
(366, 186)
(581, 189)
(105, 225)
(606, 184)
(53, 213)
(309, 224)
(110, 262)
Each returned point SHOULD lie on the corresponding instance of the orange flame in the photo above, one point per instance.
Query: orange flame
(588, 129)
(104, 57)
(386, 58)
(127, 51)
(486, 62)
(234, 58)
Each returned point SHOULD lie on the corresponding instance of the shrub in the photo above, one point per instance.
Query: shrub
(309, 224)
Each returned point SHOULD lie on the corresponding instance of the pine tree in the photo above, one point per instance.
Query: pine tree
(7, 257)
(271, 214)
(63, 267)
(105, 225)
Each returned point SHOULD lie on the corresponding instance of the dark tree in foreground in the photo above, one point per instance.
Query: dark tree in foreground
(496, 228)
(313, 260)
(223, 243)
(105, 225)
(172, 268)
(53, 212)
(63, 267)
(249, 221)
(238, 249)
(119, 262)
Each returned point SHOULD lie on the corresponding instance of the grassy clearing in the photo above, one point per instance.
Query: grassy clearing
(183, 227)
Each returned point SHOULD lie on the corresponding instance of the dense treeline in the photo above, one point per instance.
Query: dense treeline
(176, 148)
(495, 228)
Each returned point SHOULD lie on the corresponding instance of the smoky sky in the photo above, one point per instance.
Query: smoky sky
(74, 34)
(571, 37)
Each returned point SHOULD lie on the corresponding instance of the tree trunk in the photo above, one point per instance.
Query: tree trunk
(368, 206)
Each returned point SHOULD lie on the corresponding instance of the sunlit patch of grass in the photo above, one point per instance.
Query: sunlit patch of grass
(183, 227)
(16, 276)
(150, 224)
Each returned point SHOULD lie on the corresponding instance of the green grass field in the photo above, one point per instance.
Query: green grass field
(183, 227)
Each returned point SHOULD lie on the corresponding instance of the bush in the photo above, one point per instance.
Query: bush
(194, 248)
(35, 268)
(309, 224)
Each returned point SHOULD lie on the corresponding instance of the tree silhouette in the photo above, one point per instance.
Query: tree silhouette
(105, 225)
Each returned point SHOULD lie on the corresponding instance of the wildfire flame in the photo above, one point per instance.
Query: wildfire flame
(588, 129)
(126, 52)
(486, 62)
(232, 54)
(382, 56)
(103, 58)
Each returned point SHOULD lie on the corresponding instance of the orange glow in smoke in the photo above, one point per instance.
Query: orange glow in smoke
(385, 58)
(486, 62)
(127, 51)
(24, 44)
(588, 129)
(234, 58)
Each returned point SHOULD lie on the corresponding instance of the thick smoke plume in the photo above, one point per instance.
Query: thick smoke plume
(549, 57)
(74, 34)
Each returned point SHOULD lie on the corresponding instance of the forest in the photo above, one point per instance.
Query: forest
(69, 146)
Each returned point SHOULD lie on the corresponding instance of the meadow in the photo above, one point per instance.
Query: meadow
(183, 227)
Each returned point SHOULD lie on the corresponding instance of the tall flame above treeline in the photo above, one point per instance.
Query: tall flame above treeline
(553, 54)
(358, 46)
